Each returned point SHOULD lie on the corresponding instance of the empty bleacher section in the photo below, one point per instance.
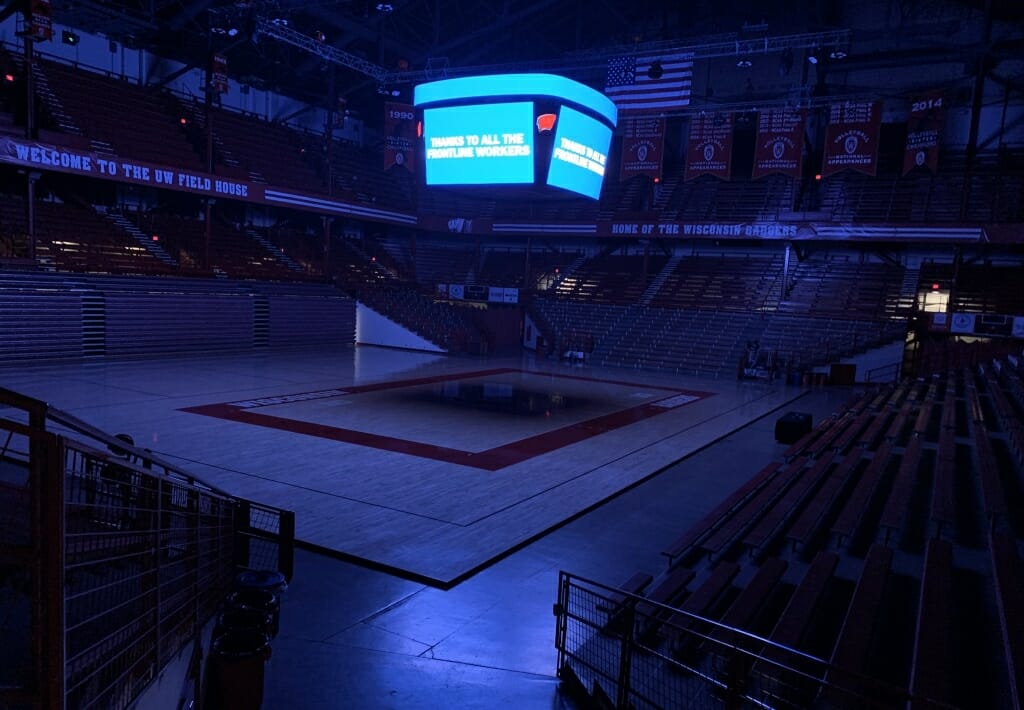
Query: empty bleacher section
(838, 287)
(702, 311)
(712, 282)
(117, 117)
(233, 251)
(830, 579)
(448, 326)
(253, 149)
(71, 237)
(54, 316)
(920, 196)
(611, 278)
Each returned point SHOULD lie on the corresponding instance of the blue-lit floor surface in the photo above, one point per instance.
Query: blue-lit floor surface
(355, 638)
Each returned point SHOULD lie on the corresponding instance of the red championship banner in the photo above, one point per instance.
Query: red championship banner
(399, 136)
(40, 20)
(923, 128)
(851, 139)
(780, 142)
(709, 148)
(219, 74)
(643, 145)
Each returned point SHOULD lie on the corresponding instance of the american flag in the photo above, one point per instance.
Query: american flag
(634, 90)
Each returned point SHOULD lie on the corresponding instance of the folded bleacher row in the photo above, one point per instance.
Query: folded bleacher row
(57, 316)
(884, 544)
(112, 116)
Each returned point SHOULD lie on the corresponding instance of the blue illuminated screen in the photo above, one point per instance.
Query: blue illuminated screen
(580, 153)
(479, 145)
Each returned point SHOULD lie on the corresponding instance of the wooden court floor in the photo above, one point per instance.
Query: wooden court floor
(425, 465)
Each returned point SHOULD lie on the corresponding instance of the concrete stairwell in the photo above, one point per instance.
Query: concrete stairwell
(144, 240)
(568, 271)
(54, 105)
(908, 288)
(659, 279)
(274, 250)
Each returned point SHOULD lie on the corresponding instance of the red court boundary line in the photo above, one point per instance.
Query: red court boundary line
(489, 460)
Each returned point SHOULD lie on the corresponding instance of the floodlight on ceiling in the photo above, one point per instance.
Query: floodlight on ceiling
(837, 53)
(385, 7)
(813, 55)
(744, 63)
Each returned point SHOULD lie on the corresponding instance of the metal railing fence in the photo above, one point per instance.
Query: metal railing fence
(111, 560)
(625, 651)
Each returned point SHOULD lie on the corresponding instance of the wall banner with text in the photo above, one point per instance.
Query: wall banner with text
(851, 138)
(643, 145)
(399, 136)
(709, 147)
(924, 126)
(779, 145)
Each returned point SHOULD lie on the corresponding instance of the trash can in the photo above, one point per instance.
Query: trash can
(790, 427)
(260, 589)
(240, 618)
(238, 669)
(261, 579)
(259, 602)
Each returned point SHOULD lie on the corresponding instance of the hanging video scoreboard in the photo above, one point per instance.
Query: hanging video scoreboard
(515, 129)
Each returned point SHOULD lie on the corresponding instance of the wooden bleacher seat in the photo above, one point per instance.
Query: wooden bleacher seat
(890, 526)
(1009, 592)
(816, 510)
(751, 510)
(895, 430)
(932, 670)
(805, 441)
(669, 588)
(685, 542)
(762, 534)
(992, 497)
(796, 617)
(618, 602)
(676, 628)
(851, 649)
(878, 424)
(744, 608)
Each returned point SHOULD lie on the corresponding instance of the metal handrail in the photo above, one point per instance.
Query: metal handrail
(600, 638)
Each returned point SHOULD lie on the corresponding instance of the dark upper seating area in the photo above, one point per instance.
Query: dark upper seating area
(611, 278)
(252, 149)
(115, 116)
(884, 543)
(979, 287)
(844, 288)
(696, 313)
(70, 237)
(721, 283)
(233, 251)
